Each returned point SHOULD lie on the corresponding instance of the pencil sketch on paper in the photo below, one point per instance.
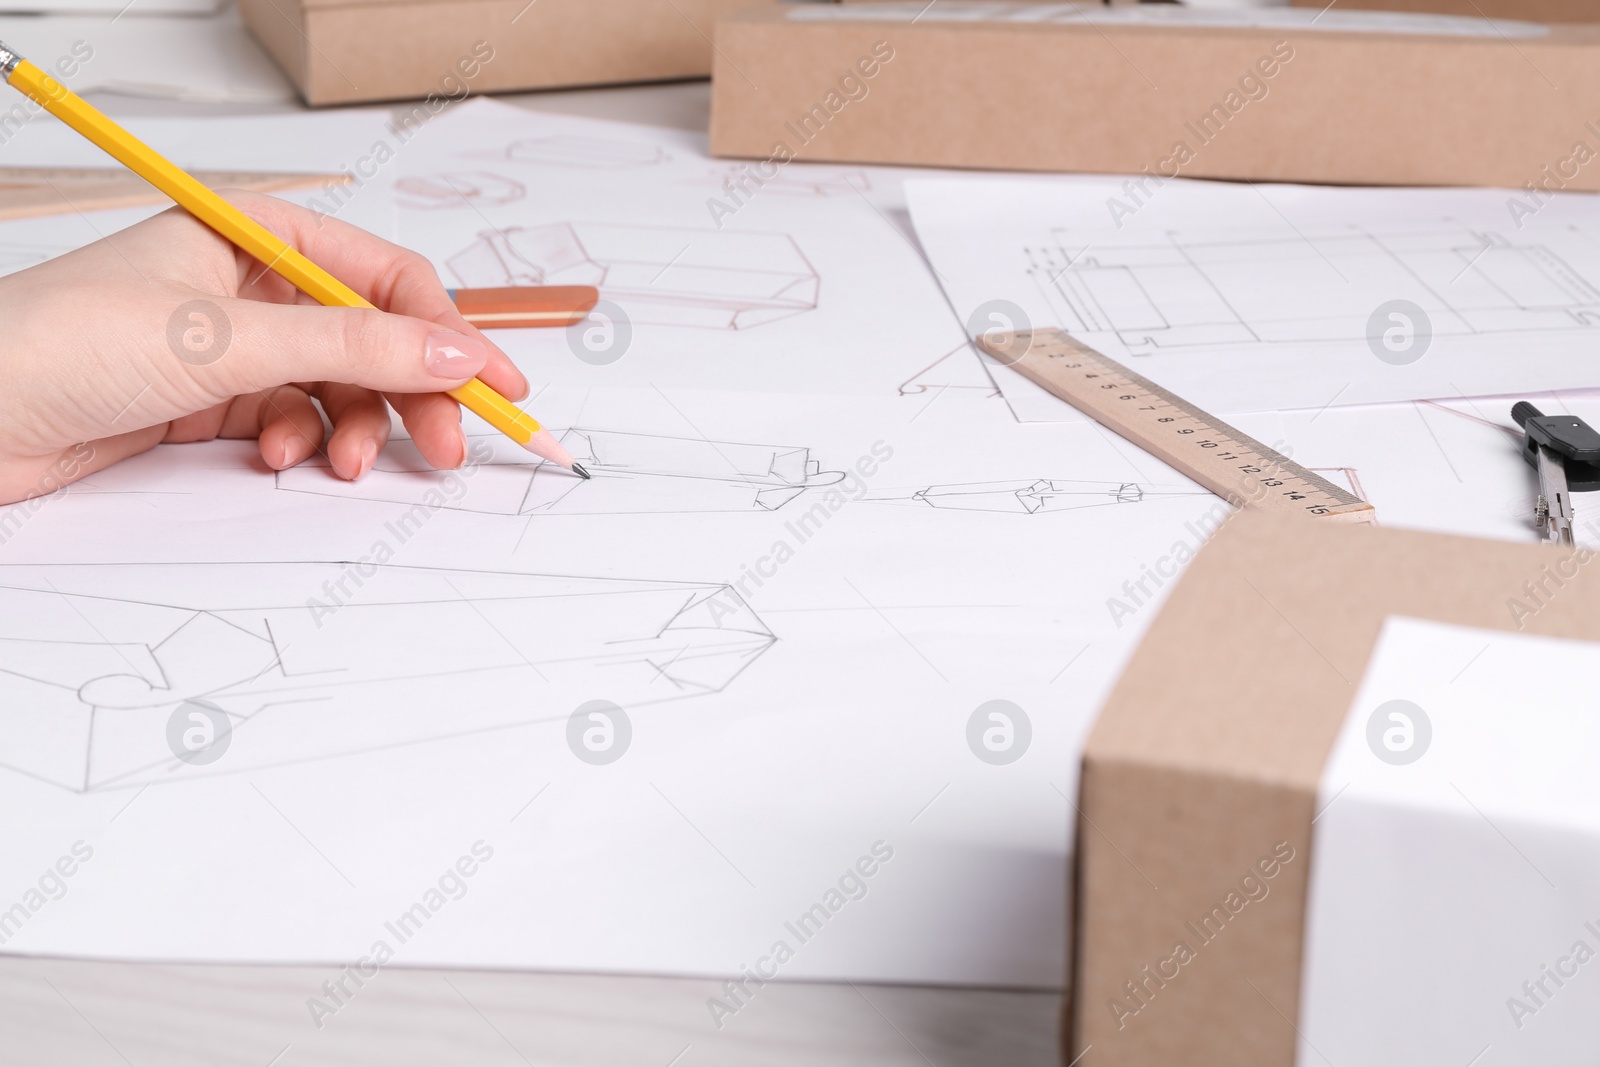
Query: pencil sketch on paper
(312, 661)
(790, 181)
(960, 368)
(589, 153)
(661, 275)
(1193, 289)
(1057, 494)
(1027, 497)
(469, 189)
(1507, 428)
(629, 474)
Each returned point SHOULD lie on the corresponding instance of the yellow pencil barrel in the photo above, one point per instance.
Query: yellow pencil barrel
(240, 229)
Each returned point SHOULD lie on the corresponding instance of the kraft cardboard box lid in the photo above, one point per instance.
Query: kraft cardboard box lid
(1211, 750)
(1374, 98)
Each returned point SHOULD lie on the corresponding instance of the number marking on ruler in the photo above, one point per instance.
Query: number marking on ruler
(1236, 467)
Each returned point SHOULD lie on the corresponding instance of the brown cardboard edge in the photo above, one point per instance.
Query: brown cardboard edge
(1075, 920)
(1204, 781)
(940, 112)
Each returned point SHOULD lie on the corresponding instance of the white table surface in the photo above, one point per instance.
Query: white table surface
(57, 1013)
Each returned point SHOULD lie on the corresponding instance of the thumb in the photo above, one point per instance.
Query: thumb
(255, 346)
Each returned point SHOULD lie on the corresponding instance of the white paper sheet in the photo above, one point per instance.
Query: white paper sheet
(800, 686)
(1246, 297)
(800, 648)
(1456, 858)
(1451, 466)
(798, 278)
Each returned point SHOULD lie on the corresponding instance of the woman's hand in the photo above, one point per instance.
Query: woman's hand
(166, 332)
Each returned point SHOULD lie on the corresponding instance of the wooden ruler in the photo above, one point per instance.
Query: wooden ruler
(33, 192)
(1236, 467)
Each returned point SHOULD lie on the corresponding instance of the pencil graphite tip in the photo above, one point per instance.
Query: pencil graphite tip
(544, 445)
(577, 468)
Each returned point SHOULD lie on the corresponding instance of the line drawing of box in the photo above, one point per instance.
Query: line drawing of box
(631, 473)
(791, 182)
(658, 275)
(96, 659)
(960, 368)
(1236, 288)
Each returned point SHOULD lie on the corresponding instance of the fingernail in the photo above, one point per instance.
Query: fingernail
(463, 435)
(454, 355)
(369, 454)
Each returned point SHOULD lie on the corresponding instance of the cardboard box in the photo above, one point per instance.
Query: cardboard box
(1531, 10)
(348, 51)
(1210, 751)
(1359, 97)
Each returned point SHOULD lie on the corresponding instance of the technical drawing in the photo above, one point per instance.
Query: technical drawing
(661, 275)
(790, 182)
(310, 661)
(630, 474)
(1193, 290)
(960, 368)
(1024, 497)
(460, 189)
(592, 153)
(1056, 494)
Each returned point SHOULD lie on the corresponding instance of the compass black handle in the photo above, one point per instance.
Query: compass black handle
(1573, 441)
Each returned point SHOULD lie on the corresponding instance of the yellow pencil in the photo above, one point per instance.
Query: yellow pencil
(240, 229)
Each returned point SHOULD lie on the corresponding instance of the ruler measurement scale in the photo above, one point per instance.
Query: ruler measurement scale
(1231, 464)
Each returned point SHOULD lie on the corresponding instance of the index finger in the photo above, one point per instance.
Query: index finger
(393, 278)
